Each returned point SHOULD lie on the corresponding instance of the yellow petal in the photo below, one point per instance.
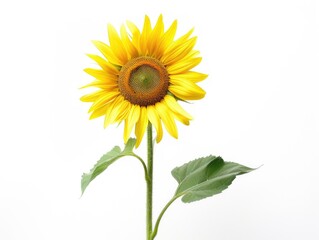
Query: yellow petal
(179, 52)
(191, 76)
(101, 75)
(168, 36)
(122, 109)
(91, 97)
(141, 126)
(183, 66)
(145, 36)
(117, 45)
(130, 121)
(107, 67)
(111, 115)
(102, 85)
(175, 107)
(179, 41)
(181, 118)
(191, 55)
(167, 118)
(136, 35)
(155, 120)
(98, 112)
(186, 90)
(107, 53)
(133, 28)
(155, 37)
(159, 27)
(104, 99)
(130, 48)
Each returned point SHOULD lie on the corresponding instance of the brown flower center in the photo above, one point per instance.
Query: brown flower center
(143, 81)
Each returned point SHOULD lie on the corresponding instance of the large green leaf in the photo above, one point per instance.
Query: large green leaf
(205, 177)
(105, 161)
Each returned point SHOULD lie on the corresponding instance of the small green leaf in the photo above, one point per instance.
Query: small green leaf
(205, 177)
(105, 161)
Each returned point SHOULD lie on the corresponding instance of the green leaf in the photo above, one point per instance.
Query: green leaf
(205, 177)
(105, 161)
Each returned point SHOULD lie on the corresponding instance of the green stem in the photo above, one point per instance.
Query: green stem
(161, 215)
(143, 164)
(149, 182)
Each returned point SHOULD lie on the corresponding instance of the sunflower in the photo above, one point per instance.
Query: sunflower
(142, 76)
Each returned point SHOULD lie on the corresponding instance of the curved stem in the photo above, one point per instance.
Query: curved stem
(161, 215)
(143, 164)
(149, 183)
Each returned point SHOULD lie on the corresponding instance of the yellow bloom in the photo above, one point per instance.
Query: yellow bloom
(142, 75)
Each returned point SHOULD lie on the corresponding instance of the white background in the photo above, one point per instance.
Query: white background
(261, 108)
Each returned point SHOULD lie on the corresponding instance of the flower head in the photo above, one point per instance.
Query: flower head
(142, 75)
